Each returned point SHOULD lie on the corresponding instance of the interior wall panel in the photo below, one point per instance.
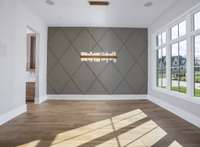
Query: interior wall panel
(68, 75)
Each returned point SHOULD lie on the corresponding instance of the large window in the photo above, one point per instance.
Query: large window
(178, 66)
(197, 66)
(178, 58)
(161, 60)
(196, 54)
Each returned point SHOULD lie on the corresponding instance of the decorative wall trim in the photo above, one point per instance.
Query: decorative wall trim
(177, 111)
(67, 74)
(97, 97)
(12, 114)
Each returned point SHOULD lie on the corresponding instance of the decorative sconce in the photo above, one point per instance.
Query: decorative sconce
(98, 57)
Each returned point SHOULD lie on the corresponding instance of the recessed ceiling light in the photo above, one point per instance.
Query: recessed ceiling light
(148, 4)
(99, 3)
(50, 2)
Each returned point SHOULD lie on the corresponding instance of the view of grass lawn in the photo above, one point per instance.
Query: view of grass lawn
(197, 78)
(179, 89)
(197, 92)
(182, 87)
(184, 90)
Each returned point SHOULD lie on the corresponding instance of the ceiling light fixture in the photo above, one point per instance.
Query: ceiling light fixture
(50, 2)
(99, 3)
(148, 4)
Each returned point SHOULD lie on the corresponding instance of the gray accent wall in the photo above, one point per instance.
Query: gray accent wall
(68, 75)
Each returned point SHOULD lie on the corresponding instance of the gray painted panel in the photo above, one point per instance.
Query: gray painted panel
(68, 75)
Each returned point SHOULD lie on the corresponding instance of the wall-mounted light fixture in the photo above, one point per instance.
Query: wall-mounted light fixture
(98, 57)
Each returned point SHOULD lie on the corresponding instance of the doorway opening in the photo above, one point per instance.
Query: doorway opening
(31, 38)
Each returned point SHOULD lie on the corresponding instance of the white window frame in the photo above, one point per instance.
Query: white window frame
(163, 45)
(193, 34)
(178, 40)
(189, 37)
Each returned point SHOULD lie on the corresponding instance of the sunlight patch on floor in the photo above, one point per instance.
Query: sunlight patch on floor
(150, 138)
(145, 134)
(125, 130)
(129, 121)
(110, 143)
(93, 131)
(30, 144)
(175, 144)
(79, 140)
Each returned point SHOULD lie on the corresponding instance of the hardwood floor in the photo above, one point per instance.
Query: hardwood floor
(98, 124)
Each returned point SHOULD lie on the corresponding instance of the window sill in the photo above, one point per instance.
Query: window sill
(191, 99)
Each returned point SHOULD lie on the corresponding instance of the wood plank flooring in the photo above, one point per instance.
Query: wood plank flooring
(98, 124)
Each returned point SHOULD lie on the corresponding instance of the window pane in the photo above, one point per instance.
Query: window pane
(164, 50)
(197, 66)
(159, 53)
(164, 80)
(182, 74)
(159, 59)
(182, 28)
(159, 40)
(182, 79)
(174, 56)
(182, 64)
(174, 32)
(164, 38)
(197, 50)
(175, 79)
(182, 53)
(197, 81)
(178, 63)
(197, 21)
(159, 78)
(164, 57)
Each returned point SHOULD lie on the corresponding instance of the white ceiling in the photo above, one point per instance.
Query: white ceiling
(120, 13)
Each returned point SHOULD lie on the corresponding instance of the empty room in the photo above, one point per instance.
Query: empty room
(100, 73)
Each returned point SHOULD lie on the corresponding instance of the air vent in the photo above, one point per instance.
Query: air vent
(99, 3)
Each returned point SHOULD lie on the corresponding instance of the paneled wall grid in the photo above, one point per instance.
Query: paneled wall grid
(68, 75)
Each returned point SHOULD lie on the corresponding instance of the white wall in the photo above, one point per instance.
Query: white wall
(15, 18)
(178, 9)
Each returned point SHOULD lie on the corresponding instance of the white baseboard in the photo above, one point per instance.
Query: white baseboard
(177, 111)
(96, 97)
(41, 100)
(12, 114)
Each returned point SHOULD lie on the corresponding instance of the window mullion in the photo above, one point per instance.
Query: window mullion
(168, 61)
(178, 66)
(161, 70)
(190, 60)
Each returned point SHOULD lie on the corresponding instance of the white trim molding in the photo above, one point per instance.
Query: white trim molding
(12, 114)
(177, 111)
(41, 100)
(97, 97)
